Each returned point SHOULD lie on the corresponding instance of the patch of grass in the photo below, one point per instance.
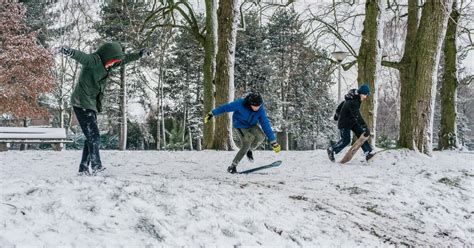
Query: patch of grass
(299, 197)
(450, 182)
(466, 173)
(146, 225)
(354, 190)
(373, 209)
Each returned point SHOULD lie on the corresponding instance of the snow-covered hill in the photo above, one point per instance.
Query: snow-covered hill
(155, 199)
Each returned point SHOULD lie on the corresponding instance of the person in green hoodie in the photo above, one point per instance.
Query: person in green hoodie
(87, 96)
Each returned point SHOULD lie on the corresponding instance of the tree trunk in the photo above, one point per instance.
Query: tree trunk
(158, 121)
(370, 55)
(24, 146)
(163, 127)
(406, 81)
(183, 137)
(227, 33)
(429, 40)
(190, 139)
(448, 132)
(123, 109)
(61, 108)
(210, 44)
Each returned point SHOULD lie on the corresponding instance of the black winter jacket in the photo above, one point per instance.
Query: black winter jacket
(348, 112)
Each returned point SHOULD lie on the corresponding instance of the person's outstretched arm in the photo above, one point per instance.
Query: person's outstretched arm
(87, 60)
(229, 107)
(130, 57)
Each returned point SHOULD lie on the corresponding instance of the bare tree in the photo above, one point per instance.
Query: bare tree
(369, 58)
(227, 33)
(448, 94)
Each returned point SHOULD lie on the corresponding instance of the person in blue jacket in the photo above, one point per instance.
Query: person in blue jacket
(248, 112)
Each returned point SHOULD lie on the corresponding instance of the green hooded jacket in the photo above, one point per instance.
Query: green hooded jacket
(90, 87)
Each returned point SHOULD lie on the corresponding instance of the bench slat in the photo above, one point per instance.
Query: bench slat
(31, 133)
(32, 141)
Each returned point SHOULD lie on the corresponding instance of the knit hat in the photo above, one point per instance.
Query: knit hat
(253, 99)
(364, 90)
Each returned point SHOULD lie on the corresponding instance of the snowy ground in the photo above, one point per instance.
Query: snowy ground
(155, 199)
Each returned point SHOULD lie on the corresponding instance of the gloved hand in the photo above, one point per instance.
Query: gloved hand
(65, 50)
(366, 132)
(144, 52)
(336, 117)
(276, 147)
(208, 117)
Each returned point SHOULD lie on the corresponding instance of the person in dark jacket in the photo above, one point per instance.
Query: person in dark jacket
(87, 96)
(349, 119)
(248, 112)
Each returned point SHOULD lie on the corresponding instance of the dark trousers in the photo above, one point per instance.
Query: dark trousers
(346, 139)
(90, 154)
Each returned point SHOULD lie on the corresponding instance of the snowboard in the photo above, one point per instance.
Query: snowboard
(274, 164)
(354, 148)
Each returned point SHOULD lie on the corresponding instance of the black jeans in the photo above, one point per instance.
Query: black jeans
(346, 139)
(90, 154)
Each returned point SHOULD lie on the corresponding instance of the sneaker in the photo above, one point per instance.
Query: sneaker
(83, 173)
(369, 155)
(232, 169)
(250, 156)
(83, 170)
(331, 154)
(97, 170)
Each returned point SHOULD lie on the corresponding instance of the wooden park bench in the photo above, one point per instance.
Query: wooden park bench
(33, 135)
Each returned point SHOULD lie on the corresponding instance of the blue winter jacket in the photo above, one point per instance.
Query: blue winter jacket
(243, 117)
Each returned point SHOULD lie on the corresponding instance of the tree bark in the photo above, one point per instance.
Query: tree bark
(448, 132)
(123, 109)
(162, 110)
(369, 59)
(406, 81)
(210, 44)
(427, 51)
(227, 33)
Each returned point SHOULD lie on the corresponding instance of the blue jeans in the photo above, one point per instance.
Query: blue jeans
(346, 139)
(90, 154)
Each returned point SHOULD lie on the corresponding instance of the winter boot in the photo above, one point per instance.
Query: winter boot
(331, 154)
(98, 169)
(83, 170)
(369, 155)
(232, 169)
(250, 156)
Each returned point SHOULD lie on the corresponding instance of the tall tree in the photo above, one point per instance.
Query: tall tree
(417, 71)
(285, 41)
(206, 36)
(369, 58)
(407, 81)
(210, 52)
(428, 43)
(120, 21)
(183, 84)
(24, 65)
(252, 69)
(448, 94)
(227, 34)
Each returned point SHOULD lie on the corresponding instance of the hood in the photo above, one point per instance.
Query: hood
(110, 50)
(352, 94)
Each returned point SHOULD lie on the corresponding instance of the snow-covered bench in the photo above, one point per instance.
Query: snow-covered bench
(28, 135)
